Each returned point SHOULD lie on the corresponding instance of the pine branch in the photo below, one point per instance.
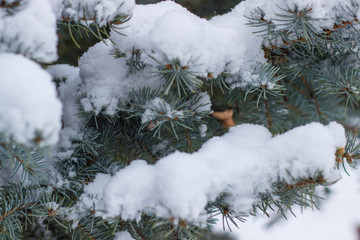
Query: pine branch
(137, 141)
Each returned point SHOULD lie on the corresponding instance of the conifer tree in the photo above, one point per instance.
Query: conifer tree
(171, 121)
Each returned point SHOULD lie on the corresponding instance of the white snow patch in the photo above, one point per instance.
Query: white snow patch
(30, 31)
(28, 100)
(204, 103)
(156, 105)
(123, 236)
(203, 129)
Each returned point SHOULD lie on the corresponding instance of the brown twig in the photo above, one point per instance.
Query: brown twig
(87, 232)
(16, 157)
(312, 95)
(289, 83)
(304, 183)
(188, 139)
(295, 109)
(290, 106)
(2, 217)
(269, 121)
(80, 19)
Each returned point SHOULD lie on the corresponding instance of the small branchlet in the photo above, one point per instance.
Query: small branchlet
(227, 215)
(179, 78)
(89, 26)
(342, 79)
(172, 228)
(285, 195)
(16, 202)
(25, 162)
(266, 82)
(221, 82)
(159, 112)
(293, 31)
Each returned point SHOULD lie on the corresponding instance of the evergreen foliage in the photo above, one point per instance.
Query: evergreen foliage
(311, 74)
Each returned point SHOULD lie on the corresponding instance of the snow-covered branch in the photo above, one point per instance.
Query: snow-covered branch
(243, 163)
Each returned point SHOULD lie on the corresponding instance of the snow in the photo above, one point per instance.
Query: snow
(68, 89)
(156, 105)
(28, 101)
(94, 190)
(203, 104)
(107, 81)
(69, 93)
(181, 184)
(203, 130)
(30, 31)
(123, 236)
(101, 11)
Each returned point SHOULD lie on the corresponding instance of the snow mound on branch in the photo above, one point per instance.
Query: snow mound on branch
(30, 30)
(167, 32)
(28, 101)
(181, 184)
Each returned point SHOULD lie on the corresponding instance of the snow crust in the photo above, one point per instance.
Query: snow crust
(181, 184)
(30, 31)
(28, 100)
